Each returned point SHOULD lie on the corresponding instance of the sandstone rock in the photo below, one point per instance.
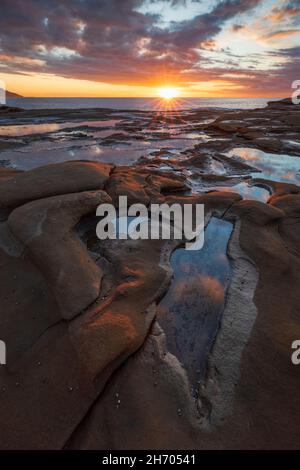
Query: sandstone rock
(45, 227)
(268, 143)
(289, 227)
(87, 365)
(7, 173)
(57, 368)
(278, 189)
(229, 126)
(268, 380)
(51, 180)
(147, 403)
(251, 135)
(256, 212)
(140, 186)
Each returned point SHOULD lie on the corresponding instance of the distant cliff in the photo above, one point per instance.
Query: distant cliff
(9, 94)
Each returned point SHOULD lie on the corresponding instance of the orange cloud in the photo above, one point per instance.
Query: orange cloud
(281, 34)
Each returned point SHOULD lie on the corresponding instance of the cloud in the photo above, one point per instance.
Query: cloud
(108, 41)
(281, 13)
(114, 41)
(282, 34)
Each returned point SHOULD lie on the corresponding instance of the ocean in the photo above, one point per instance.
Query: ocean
(144, 104)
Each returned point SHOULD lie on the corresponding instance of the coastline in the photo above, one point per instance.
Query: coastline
(85, 332)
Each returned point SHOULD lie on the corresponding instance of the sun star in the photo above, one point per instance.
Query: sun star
(168, 93)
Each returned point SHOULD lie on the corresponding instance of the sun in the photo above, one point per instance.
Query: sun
(168, 93)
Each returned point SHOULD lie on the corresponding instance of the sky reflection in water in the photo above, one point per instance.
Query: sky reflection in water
(191, 310)
(276, 167)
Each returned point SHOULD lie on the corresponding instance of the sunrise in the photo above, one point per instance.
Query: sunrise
(130, 48)
(149, 232)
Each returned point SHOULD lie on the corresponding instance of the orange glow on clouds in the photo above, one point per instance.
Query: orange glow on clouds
(48, 85)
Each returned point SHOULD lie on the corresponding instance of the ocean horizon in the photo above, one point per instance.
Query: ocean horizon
(142, 104)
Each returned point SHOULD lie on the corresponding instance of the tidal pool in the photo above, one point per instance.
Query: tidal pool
(44, 128)
(246, 190)
(275, 167)
(191, 311)
(44, 152)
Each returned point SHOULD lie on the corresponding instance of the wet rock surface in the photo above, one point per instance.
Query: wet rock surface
(104, 337)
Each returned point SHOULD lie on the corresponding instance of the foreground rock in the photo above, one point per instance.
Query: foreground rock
(46, 228)
(87, 362)
(50, 181)
(66, 331)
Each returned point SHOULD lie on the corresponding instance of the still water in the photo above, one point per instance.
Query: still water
(191, 311)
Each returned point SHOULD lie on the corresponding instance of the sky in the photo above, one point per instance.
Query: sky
(107, 48)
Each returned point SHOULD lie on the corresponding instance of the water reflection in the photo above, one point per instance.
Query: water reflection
(44, 128)
(246, 191)
(191, 310)
(217, 168)
(275, 167)
(43, 152)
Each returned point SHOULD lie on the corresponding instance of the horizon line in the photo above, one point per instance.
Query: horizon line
(149, 97)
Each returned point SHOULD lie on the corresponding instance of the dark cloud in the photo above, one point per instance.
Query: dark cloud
(237, 27)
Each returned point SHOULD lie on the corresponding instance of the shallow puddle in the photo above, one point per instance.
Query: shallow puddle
(63, 147)
(246, 191)
(38, 154)
(275, 167)
(217, 167)
(44, 128)
(191, 311)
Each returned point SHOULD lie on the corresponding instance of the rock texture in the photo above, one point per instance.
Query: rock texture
(87, 361)
(69, 315)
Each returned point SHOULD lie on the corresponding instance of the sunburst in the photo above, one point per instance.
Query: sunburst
(168, 93)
